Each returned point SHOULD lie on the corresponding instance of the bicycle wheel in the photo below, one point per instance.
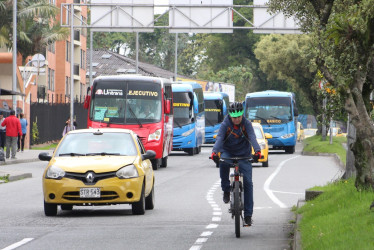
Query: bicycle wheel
(237, 209)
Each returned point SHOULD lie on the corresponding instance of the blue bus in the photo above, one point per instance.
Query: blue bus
(277, 113)
(216, 104)
(189, 117)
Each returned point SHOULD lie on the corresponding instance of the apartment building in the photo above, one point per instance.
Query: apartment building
(52, 81)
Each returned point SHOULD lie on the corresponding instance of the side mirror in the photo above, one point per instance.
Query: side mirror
(296, 112)
(87, 101)
(167, 106)
(149, 154)
(268, 136)
(45, 157)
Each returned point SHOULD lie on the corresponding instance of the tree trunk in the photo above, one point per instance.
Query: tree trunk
(364, 144)
(350, 170)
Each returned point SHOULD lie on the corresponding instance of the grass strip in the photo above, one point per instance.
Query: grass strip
(316, 145)
(340, 218)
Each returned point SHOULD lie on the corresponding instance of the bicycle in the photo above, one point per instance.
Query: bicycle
(236, 192)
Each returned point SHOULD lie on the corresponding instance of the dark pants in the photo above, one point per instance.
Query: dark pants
(22, 141)
(245, 167)
(2, 139)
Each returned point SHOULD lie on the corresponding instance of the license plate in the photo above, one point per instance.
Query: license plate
(89, 193)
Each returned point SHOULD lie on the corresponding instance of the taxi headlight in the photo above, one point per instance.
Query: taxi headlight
(55, 172)
(262, 145)
(155, 136)
(188, 132)
(127, 172)
(287, 136)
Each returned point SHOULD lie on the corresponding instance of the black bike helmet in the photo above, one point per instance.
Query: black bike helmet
(236, 109)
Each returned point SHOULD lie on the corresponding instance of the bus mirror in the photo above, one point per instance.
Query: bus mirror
(296, 112)
(87, 102)
(167, 106)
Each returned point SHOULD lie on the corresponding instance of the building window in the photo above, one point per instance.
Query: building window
(51, 79)
(51, 47)
(67, 51)
(67, 86)
(83, 59)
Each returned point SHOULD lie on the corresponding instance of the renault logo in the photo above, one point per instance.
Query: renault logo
(90, 177)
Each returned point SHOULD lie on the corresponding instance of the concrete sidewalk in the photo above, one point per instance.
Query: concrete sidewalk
(21, 157)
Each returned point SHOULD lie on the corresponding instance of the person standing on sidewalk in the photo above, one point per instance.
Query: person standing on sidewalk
(24, 124)
(13, 128)
(2, 132)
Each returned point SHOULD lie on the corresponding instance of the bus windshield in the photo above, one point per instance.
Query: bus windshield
(269, 109)
(183, 104)
(213, 112)
(122, 102)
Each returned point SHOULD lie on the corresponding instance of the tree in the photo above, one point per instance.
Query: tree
(343, 35)
(34, 27)
(287, 58)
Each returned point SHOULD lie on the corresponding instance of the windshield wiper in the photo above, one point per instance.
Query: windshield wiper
(259, 117)
(280, 118)
(136, 118)
(71, 154)
(102, 154)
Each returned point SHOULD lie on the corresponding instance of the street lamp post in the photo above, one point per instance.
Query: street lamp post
(38, 61)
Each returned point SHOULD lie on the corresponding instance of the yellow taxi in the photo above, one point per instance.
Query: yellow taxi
(103, 166)
(262, 139)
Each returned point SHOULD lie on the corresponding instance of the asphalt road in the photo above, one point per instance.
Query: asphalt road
(189, 212)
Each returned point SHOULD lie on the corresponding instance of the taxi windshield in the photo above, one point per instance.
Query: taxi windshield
(86, 144)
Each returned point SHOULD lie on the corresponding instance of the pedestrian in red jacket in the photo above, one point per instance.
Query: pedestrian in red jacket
(13, 128)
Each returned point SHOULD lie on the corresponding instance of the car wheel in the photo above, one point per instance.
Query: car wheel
(50, 209)
(164, 162)
(265, 164)
(139, 207)
(66, 207)
(155, 164)
(150, 199)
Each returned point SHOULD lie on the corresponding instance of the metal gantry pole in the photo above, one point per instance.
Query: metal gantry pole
(91, 50)
(72, 65)
(137, 52)
(14, 49)
(176, 57)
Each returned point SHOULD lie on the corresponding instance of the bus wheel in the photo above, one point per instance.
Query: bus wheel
(290, 150)
(155, 164)
(164, 162)
(190, 151)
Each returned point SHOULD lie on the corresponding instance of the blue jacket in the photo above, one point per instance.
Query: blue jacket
(240, 146)
(23, 125)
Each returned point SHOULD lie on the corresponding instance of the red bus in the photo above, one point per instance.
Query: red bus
(140, 103)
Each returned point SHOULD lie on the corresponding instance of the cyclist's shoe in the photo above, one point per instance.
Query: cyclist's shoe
(248, 220)
(226, 197)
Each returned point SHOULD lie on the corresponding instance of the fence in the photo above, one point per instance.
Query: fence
(47, 120)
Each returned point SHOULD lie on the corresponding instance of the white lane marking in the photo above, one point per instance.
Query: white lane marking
(18, 244)
(196, 247)
(210, 226)
(201, 240)
(206, 233)
(216, 218)
(267, 189)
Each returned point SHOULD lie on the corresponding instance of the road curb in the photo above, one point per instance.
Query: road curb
(297, 239)
(10, 162)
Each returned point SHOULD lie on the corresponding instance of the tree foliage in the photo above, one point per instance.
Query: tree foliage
(343, 35)
(287, 58)
(35, 30)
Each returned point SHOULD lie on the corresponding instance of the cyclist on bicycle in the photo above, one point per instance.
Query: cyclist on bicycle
(236, 138)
